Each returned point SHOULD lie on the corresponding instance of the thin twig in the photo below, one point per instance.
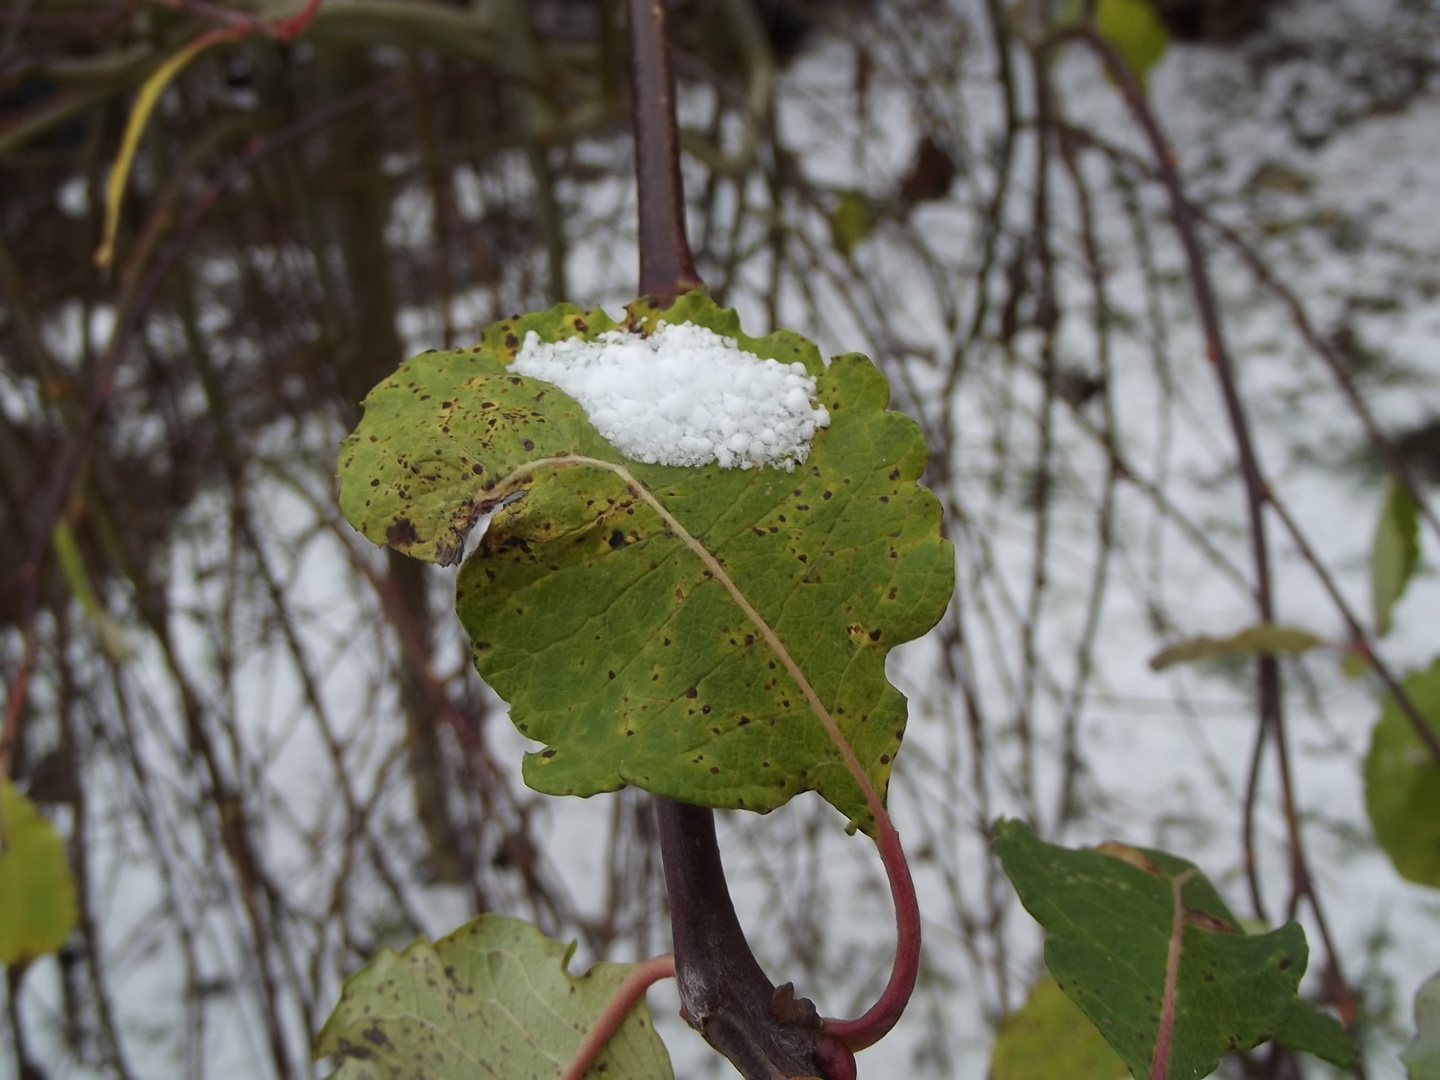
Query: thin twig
(1256, 490)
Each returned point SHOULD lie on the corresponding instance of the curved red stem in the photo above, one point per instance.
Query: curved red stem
(631, 990)
(876, 1023)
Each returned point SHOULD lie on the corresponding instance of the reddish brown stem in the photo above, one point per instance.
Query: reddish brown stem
(666, 266)
(724, 993)
(631, 990)
(1257, 492)
(883, 1015)
(1160, 1062)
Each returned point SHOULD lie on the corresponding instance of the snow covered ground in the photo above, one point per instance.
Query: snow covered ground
(1312, 142)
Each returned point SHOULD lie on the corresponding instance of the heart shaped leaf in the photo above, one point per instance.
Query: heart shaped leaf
(491, 1000)
(647, 622)
(1108, 914)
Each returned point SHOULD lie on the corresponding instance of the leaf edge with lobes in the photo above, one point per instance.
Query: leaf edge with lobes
(869, 711)
(417, 1008)
(705, 762)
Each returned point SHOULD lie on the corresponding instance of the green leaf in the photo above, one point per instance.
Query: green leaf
(111, 634)
(441, 432)
(493, 999)
(1252, 641)
(1422, 1057)
(1108, 921)
(612, 641)
(37, 894)
(1355, 664)
(851, 222)
(1402, 783)
(1049, 1037)
(1394, 553)
(1135, 29)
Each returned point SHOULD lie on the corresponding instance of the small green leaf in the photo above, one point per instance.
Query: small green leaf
(851, 222)
(1135, 29)
(1394, 553)
(1422, 1057)
(1261, 638)
(1108, 921)
(493, 999)
(612, 641)
(111, 635)
(1402, 783)
(1355, 664)
(37, 894)
(1049, 1037)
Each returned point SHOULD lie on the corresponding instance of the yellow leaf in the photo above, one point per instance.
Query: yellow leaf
(145, 103)
(37, 894)
(1135, 29)
(851, 222)
(1252, 641)
(1050, 1037)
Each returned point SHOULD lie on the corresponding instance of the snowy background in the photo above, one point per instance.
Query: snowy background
(1317, 140)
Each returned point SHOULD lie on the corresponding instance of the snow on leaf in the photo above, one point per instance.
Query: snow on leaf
(1402, 783)
(37, 894)
(493, 999)
(1108, 923)
(613, 642)
(440, 433)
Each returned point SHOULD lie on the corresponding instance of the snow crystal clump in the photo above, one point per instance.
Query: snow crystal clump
(684, 395)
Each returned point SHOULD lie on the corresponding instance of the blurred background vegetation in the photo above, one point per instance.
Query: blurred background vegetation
(262, 740)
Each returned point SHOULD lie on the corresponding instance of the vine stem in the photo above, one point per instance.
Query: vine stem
(882, 1016)
(631, 990)
(667, 268)
(1271, 725)
(135, 303)
(756, 1036)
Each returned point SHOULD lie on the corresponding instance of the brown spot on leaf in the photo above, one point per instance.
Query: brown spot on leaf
(1205, 921)
(1127, 854)
(401, 533)
(374, 1034)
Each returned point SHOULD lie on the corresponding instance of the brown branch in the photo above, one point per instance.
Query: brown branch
(67, 471)
(1257, 492)
(724, 993)
(666, 266)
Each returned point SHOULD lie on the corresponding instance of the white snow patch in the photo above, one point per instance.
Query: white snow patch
(683, 395)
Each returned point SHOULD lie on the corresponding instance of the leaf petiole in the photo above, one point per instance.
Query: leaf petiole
(876, 1022)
